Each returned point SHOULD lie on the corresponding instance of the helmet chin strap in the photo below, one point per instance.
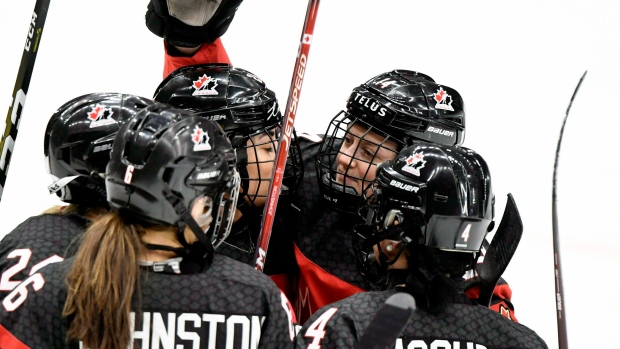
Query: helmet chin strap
(189, 221)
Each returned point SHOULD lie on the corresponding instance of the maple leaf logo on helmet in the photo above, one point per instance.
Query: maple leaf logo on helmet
(200, 139)
(205, 85)
(100, 116)
(444, 100)
(414, 163)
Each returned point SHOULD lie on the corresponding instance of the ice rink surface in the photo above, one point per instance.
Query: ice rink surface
(516, 65)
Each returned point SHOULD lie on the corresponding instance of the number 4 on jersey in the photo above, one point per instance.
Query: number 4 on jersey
(317, 329)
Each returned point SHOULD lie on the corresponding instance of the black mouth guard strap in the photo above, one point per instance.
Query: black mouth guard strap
(183, 212)
(390, 233)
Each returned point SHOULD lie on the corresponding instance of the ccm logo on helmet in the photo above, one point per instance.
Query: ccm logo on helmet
(403, 186)
(370, 104)
(440, 131)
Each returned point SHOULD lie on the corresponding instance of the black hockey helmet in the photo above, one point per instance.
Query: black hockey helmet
(163, 161)
(242, 104)
(440, 195)
(389, 111)
(78, 140)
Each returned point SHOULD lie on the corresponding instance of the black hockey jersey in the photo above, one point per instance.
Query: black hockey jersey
(37, 241)
(323, 245)
(463, 326)
(230, 305)
(280, 264)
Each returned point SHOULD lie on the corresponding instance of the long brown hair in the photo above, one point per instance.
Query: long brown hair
(102, 281)
(90, 212)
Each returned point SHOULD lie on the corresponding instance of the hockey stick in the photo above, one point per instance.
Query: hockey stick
(559, 288)
(500, 251)
(11, 126)
(389, 322)
(285, 139)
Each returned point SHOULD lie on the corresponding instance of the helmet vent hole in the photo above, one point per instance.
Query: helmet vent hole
(167, 174)
(440, 197)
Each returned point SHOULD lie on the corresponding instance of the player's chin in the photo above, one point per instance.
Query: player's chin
(349, 182)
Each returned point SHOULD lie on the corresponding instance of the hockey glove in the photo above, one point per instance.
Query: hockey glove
(189, 23)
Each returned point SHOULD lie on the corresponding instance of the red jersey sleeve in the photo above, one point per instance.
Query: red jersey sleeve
(208, 53)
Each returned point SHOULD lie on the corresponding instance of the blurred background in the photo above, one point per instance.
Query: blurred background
(516, 64)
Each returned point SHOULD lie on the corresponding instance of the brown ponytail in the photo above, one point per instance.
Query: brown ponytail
(101, 282)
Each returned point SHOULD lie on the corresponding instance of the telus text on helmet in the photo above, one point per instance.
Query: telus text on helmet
(370, 104)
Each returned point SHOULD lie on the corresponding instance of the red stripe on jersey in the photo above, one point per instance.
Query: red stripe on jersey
(500, 302)
(317, 288)
(8, 341)
(284, 283)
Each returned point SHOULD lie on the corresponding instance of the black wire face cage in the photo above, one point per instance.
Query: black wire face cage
(347, 159)
(227, 203)
(256, 155)
(383, 218)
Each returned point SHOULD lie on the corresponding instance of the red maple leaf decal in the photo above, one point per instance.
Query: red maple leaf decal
(94, 113)
(197, 135)
(200, 82)
(439, 95)
(414, 158)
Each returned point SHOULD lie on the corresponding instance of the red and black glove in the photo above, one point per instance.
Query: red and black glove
(190, 23)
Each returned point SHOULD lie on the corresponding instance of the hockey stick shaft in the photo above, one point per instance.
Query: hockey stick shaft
(559, 288)
(18, 101)
(500, 251)
(389, 322)
(285, 138)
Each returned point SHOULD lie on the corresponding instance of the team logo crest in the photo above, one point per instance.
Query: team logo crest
(100, 116)
(205, 85)
(443, 99)
(414, 163)
(200, 139)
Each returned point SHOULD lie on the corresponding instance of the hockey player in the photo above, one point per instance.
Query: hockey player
(425, 222)
(191, 30)
(249, 114)
(382, 116)
(77, 147)
(145, 274)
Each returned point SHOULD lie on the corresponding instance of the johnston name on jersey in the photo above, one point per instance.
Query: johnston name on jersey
(229, 305)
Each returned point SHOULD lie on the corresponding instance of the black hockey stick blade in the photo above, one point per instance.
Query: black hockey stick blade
(559, 288)
(389, 322)
(500, 251)
(9, 133)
